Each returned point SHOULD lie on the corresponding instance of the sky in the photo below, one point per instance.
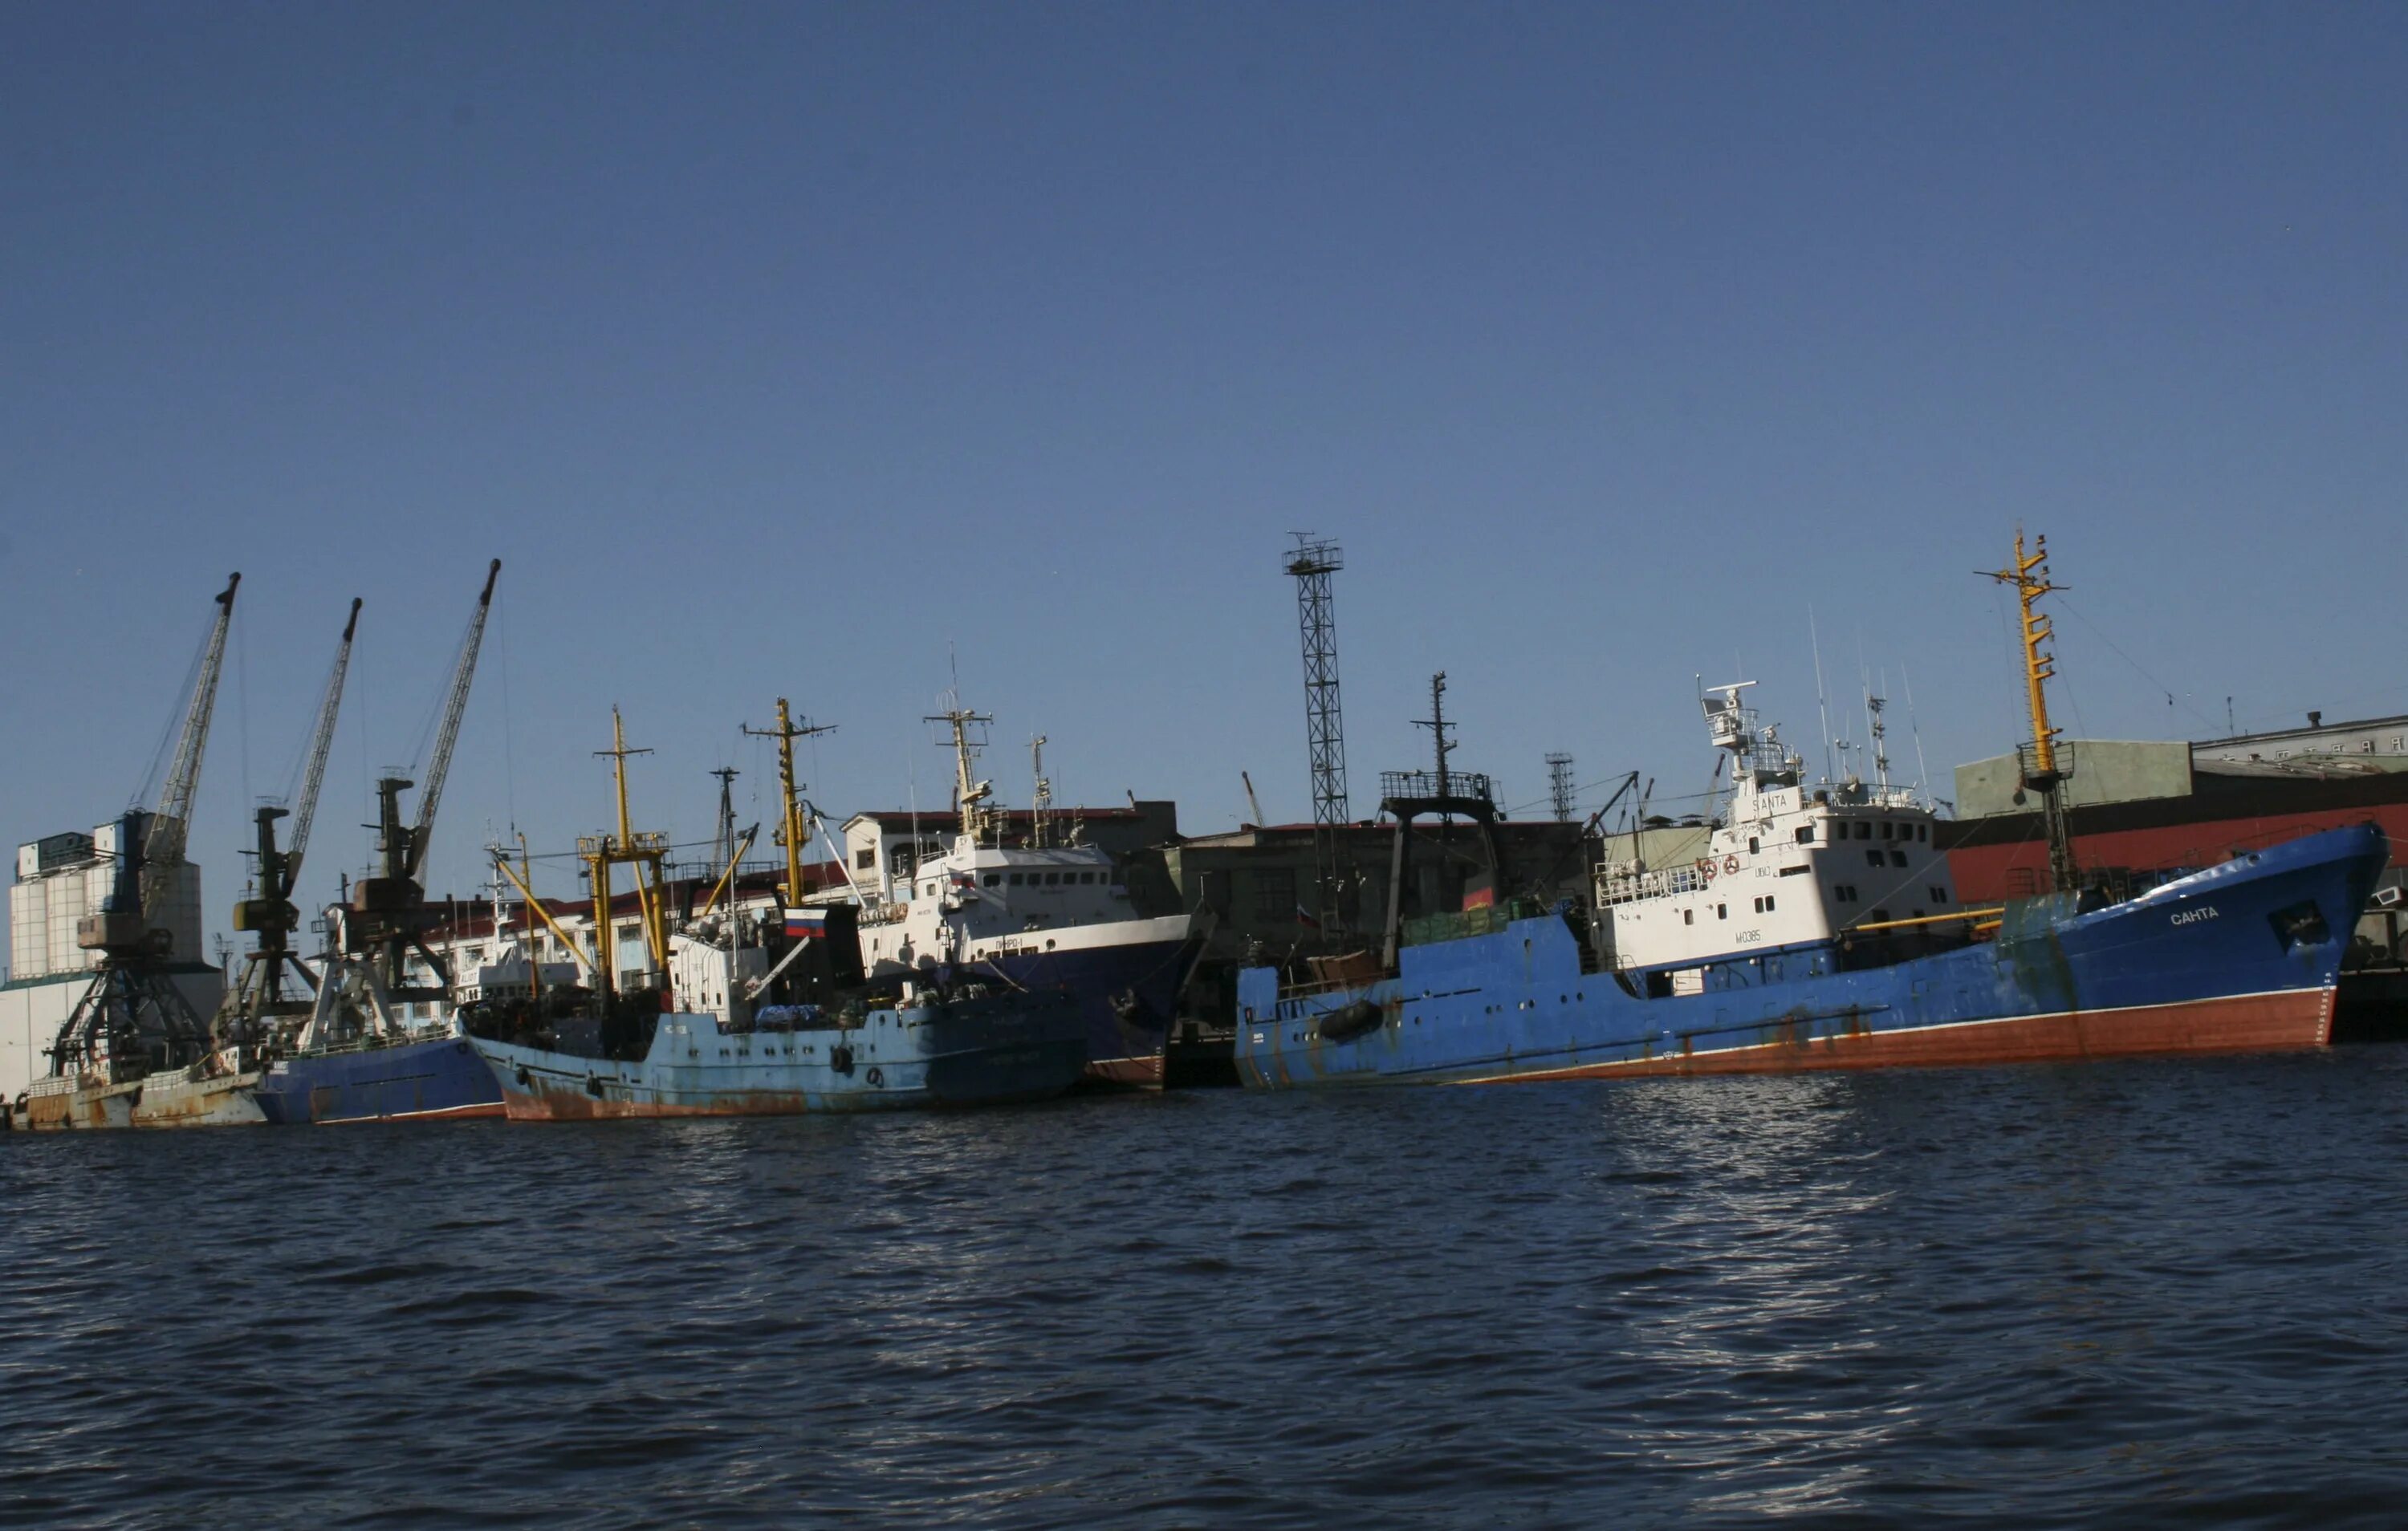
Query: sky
(835, 353)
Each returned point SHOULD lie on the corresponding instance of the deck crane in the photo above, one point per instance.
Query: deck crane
(271, 916)
(388, 915)
(133, 1020)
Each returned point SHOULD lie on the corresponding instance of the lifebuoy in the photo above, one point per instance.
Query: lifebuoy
(1706, 868)
(1730, 865)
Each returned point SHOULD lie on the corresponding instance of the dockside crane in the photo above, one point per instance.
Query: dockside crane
(270, 915)
(133, 1020)
(389, 916)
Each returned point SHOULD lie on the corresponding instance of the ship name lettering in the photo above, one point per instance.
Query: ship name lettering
(2192, 917)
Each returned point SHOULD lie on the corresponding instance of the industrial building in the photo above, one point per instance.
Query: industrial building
(62, 880)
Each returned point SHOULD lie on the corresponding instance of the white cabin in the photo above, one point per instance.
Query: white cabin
(1787, 866)
(977, 901)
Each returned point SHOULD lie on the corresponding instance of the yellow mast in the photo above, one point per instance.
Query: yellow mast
(644, 849)
(790, 791)
(2029, 575)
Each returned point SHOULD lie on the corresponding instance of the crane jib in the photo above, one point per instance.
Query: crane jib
(455, 703)
(163, 842)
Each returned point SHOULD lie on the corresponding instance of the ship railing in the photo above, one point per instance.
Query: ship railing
(1620, 885)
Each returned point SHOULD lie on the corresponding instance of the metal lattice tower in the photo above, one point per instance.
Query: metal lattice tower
(1311, 563)
(1559, 785)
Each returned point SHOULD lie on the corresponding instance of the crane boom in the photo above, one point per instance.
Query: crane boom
(163, 842)
(430, 791)
(321, 743)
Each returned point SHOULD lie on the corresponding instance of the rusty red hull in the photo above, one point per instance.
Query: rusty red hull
(2240, 1023)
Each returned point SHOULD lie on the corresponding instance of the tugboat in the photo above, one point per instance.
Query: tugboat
(1047, 913)
(1821, 932)
(780, 1034)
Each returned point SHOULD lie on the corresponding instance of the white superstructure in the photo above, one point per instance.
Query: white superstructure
(977, 902)
(1786, 866)
(982, 901)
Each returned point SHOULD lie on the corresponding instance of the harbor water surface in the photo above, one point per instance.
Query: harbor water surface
(2133, 1293)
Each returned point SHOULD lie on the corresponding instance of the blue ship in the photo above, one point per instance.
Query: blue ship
(968, 1049)
(2241, 957)
(415, 1077)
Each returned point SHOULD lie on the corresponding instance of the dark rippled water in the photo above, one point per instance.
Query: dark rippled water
(2126, 1295)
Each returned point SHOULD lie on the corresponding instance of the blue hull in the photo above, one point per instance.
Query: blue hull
(439, 1077)
(2241, 958)
(966, 1052)
(1124, 996)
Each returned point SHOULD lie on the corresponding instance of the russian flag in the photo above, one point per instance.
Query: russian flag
(1305, 919)
(806, 922)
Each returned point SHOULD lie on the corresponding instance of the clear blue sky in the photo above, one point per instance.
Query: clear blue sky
(792, 349)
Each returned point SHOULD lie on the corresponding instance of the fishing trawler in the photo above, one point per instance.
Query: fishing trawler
(1048, 913)
(742, 1016)
(1821, 930)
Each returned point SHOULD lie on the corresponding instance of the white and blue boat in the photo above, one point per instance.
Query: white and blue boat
(1820, 931)
(1046, 913)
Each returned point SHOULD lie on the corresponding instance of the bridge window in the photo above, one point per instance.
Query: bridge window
(1940, 895)
(1873, 858)
(993, 878)
(1864, 829)
(1053, 877)
(1015, 880)
(1898, 858)
(1805, 834)
(1885, 829)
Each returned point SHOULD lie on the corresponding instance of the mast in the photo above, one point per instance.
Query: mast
(646, 850)
(2043, 770)
(790, 791)
(970, 794)
(1041, 799)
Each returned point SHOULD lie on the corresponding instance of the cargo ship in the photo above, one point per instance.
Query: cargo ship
(1822, 930)
(1047, 913)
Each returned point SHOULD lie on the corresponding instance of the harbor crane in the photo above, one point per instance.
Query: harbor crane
(270, 915)
(133, 1020)
(388, 915)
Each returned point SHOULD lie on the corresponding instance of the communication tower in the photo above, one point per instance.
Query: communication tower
(1559, 785)
(1310, 562)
